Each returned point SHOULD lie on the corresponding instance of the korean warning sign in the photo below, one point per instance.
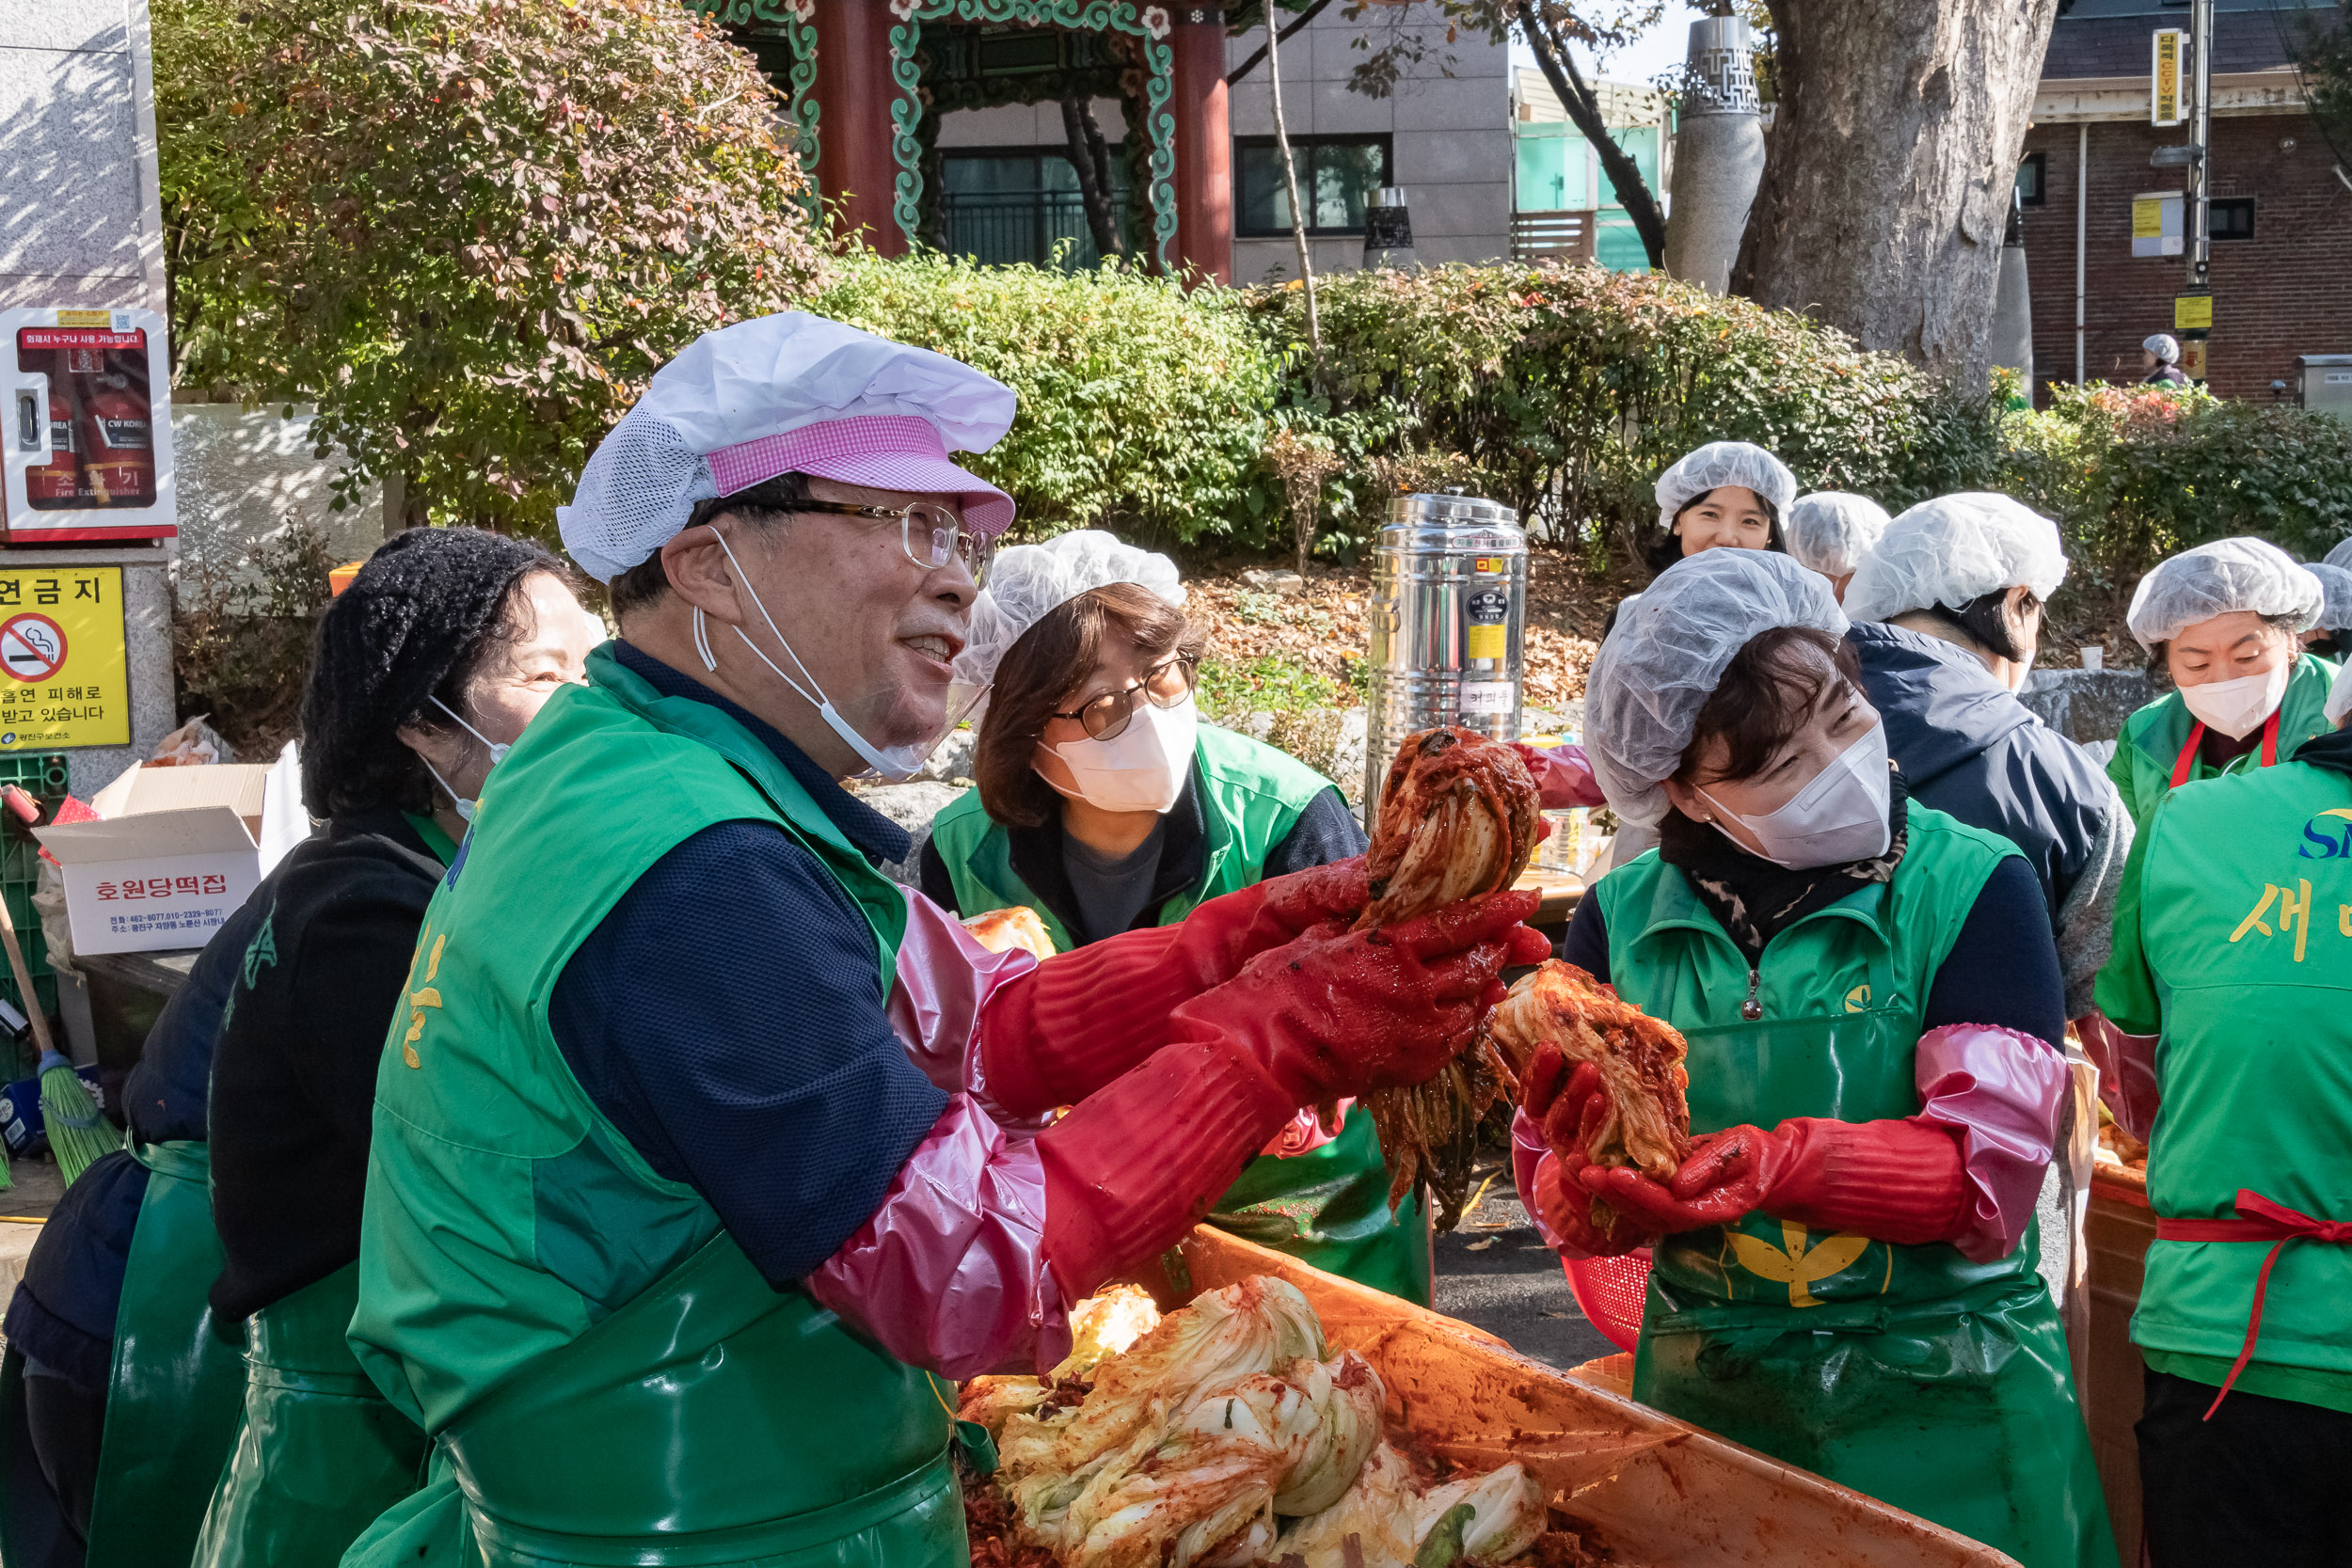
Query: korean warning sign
(63, 677)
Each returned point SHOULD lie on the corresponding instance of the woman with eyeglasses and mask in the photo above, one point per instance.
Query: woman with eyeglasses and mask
(1106, 806)
(2223, 623)
(1843, 1268)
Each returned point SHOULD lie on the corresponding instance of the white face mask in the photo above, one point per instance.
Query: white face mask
(1839, 817)
(498, 750)
(1143, 768)
(2237, 707)
(895, 764)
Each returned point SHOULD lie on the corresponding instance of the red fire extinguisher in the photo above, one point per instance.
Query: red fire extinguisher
(120, 458)
(58, 484)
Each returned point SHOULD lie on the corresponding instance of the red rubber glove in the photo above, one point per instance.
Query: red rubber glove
(1563, 777)
(1334, 1013)
(1900, 1182)
(1081, 1019)
(1570, 1108)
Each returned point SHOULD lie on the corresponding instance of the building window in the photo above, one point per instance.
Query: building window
(2232, 219)
(2030, 173)
(1337, 176)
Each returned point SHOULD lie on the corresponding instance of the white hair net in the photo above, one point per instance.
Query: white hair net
(1830, 530)
(2220, 578)
(1028, 581)
(1951, 549)
(761, 381)
(2340, 556)
(2163, 345)
(2335, 601)
(1667, 653)
(1721, 463)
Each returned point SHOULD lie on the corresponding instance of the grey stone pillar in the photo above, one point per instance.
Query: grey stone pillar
(1719, 155)
(2011, 344)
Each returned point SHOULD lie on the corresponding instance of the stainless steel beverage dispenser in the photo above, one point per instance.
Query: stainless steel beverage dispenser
(1448, 625)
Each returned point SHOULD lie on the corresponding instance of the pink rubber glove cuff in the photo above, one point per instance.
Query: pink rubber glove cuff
(949, 1273)
(2000, 1090)
(945, 981)
(2127, 1073)
(1528, 1153)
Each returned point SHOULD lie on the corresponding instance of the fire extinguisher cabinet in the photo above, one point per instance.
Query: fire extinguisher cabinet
(89, 426)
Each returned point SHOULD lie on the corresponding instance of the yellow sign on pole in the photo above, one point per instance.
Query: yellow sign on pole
(64, 674)
(2164, 84)
(2192, 312)
(2148, 217)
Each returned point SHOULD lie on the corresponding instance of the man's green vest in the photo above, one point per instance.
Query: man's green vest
(596, 1359)
(1906, 1372)
(2245, 914)
(1251, 795)
(2152, 738)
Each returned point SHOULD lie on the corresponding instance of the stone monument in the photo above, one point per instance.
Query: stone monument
(1719, 155)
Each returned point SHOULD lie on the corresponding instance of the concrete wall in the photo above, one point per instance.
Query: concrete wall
(80, 215)
(244, 476)
(1449, 136)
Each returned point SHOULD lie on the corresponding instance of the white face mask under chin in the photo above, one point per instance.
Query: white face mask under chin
(1840, 815)
(2237, 707)
(497, 749)
(895, 764)
(1143, 768)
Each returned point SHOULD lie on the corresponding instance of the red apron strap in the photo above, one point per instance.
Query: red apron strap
(2270, 738)
(2259, 1220)
(2188, 754)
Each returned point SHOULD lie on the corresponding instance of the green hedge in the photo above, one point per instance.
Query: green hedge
(1568, 388)
(1143, 407)
(2133, 474)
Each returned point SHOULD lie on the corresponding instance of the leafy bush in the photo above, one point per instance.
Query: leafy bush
(469, 231)
(2133, 474)
(1568, 388)
(1266, 684)
(1143, 407)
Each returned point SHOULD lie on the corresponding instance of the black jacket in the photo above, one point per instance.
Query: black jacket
(294, 1072)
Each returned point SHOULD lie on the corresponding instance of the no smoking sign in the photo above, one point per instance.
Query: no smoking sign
(32, 648)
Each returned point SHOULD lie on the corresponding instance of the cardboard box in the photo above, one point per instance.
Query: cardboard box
(176, 851)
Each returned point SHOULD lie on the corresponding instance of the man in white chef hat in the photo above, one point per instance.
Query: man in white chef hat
(701, 1144)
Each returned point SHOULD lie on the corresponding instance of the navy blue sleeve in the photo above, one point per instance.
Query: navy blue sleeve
(727, 1017)
(1327, 831)
(2004, 969)
(1588, 943)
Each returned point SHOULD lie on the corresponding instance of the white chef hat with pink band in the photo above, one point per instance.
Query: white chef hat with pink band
(790, 394)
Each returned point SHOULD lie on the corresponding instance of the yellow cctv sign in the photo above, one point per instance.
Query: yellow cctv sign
(64, 673)
(2165, 83)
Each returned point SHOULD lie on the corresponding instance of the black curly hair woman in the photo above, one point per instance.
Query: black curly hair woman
(440, 651)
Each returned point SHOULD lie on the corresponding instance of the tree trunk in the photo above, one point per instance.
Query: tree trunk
(1583, 106)
(1289, 183)
(1888, 169)
(1090, 155)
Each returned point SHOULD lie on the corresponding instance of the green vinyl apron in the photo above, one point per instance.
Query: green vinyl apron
(606, 1377)
(1906, 1372)
(173, 1401)
(321, 1453)
(1328, 1207)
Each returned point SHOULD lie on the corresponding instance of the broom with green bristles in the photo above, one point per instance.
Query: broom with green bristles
(77, 1134)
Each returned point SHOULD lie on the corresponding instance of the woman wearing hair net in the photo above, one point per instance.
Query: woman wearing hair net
(1843, 1268)
(1947, 613)
(1830, 531)
(2331, 637)
(1725, 495)
(2232, 942)
(2223, 621)
(1106, 806)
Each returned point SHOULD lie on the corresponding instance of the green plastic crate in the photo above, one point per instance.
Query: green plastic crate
(44, 777)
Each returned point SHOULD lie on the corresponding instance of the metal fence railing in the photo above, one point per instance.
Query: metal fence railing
(1004, 227)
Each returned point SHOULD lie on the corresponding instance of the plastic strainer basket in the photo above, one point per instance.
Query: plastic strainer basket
(1611, 1290)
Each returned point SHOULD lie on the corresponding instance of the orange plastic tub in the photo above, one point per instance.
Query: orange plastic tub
(1659, 1493)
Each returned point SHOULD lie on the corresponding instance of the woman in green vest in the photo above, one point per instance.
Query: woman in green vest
(2222, 622)
(2233, 943)
(1843, 1268)
(703, 1151)
(427, 667)
(1105, 805)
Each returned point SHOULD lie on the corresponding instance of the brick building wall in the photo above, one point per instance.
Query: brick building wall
(2285, 292)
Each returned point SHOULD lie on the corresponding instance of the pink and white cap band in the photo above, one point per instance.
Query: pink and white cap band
(882, 452)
